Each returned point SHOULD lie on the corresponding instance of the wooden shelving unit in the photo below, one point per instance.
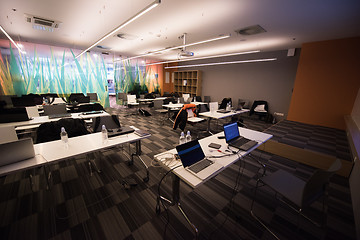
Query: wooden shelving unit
(188, 82)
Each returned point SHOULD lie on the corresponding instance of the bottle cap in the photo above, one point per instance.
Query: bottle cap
(62, 129)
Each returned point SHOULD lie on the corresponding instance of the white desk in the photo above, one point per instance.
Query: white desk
(225, 161)
(43, 119)
(217, 115)
(51, 152)
(180, 173)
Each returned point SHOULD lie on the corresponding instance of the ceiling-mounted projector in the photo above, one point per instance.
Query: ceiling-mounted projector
(184, 53)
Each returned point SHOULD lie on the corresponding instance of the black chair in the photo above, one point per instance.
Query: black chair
(93, 96)
(224, 103)
(259, 108)
(90, 107)
(297, 193)
(75, 97)
(197, 99)
(50, 131)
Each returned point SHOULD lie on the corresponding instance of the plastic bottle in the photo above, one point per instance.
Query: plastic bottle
(228, 106)
(188, 137)
(64, 137)
(104, 134)
(182, 139)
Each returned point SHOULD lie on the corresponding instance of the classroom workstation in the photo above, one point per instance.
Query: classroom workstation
(164, 119)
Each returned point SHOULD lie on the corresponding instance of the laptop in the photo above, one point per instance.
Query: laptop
(223, 111)
(193, 160)
(120, 131)
(233, 138)
(56, 111)
(16, 151)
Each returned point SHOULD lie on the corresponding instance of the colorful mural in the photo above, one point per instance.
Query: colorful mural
(135, 78)
(48, 69)
(23, 74)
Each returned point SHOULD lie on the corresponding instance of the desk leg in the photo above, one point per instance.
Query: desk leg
(138, 153)
(208, 126)
(176, 201)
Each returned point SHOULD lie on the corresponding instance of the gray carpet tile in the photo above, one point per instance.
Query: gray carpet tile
(102, 206)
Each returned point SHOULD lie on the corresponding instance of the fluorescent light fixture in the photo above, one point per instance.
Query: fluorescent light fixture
(8, 36)
(133, 18)
(205, 57)
(223, 63)
(181, 46)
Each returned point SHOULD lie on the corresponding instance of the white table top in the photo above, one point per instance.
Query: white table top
(218, 115)
(53, 151)
(44, 119)
(180, 105)
(225, 161)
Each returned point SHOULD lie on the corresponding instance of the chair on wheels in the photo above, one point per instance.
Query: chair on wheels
(298, 193)
(224, 102)
(260, 108)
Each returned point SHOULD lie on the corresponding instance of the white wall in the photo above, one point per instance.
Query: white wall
(270, 81)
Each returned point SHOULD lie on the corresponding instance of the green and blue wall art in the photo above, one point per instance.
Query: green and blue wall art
(56, 70)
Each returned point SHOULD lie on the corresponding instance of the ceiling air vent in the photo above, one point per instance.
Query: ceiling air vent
(252, 30)
(42, 23)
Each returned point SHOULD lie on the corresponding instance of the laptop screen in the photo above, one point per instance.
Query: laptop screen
(231, 131)
(190, 153)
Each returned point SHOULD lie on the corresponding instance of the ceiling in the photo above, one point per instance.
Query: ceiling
(288, 24)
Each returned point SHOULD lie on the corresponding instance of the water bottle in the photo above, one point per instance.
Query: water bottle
(104, 134)
(188, 137)
(182, 139)
(64, 137)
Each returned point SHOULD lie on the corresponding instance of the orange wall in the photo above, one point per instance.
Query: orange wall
(327, 82)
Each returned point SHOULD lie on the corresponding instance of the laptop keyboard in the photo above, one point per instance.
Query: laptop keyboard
(240, 141)
(64, 115)
(197, 167)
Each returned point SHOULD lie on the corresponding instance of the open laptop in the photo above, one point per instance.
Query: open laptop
(56, 111)
(193, 159)
(233, 138)
(16, 151)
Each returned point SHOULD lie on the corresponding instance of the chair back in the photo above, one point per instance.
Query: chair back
(50, 131)
(90, 107)
(316, 185)
(7, 134)
(131, 99)
(224, 102)
(158, 103)
(32, 112)
(93, 96)
(207, 99)
(110, 122)
(54, 109)
(258, 103)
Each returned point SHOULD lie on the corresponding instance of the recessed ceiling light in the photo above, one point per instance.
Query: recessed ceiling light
(251, 30)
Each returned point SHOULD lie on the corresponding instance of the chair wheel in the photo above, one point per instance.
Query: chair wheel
(146, 179)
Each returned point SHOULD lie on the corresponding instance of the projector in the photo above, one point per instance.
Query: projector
(184, 53)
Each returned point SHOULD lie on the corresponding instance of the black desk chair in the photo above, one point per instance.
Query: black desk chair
(297, 193)
(259, 108)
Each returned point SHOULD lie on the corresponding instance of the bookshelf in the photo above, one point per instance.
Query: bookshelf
(188, 82)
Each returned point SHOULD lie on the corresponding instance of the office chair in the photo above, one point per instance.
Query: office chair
(259, 108)
(207, 99)
(159, 108)
(90, 107)
(299, 193)
(224, 102)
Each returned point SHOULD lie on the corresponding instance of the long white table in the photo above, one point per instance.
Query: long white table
(54, 151)
(216, 115)
(224, 158)
(43, 119)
